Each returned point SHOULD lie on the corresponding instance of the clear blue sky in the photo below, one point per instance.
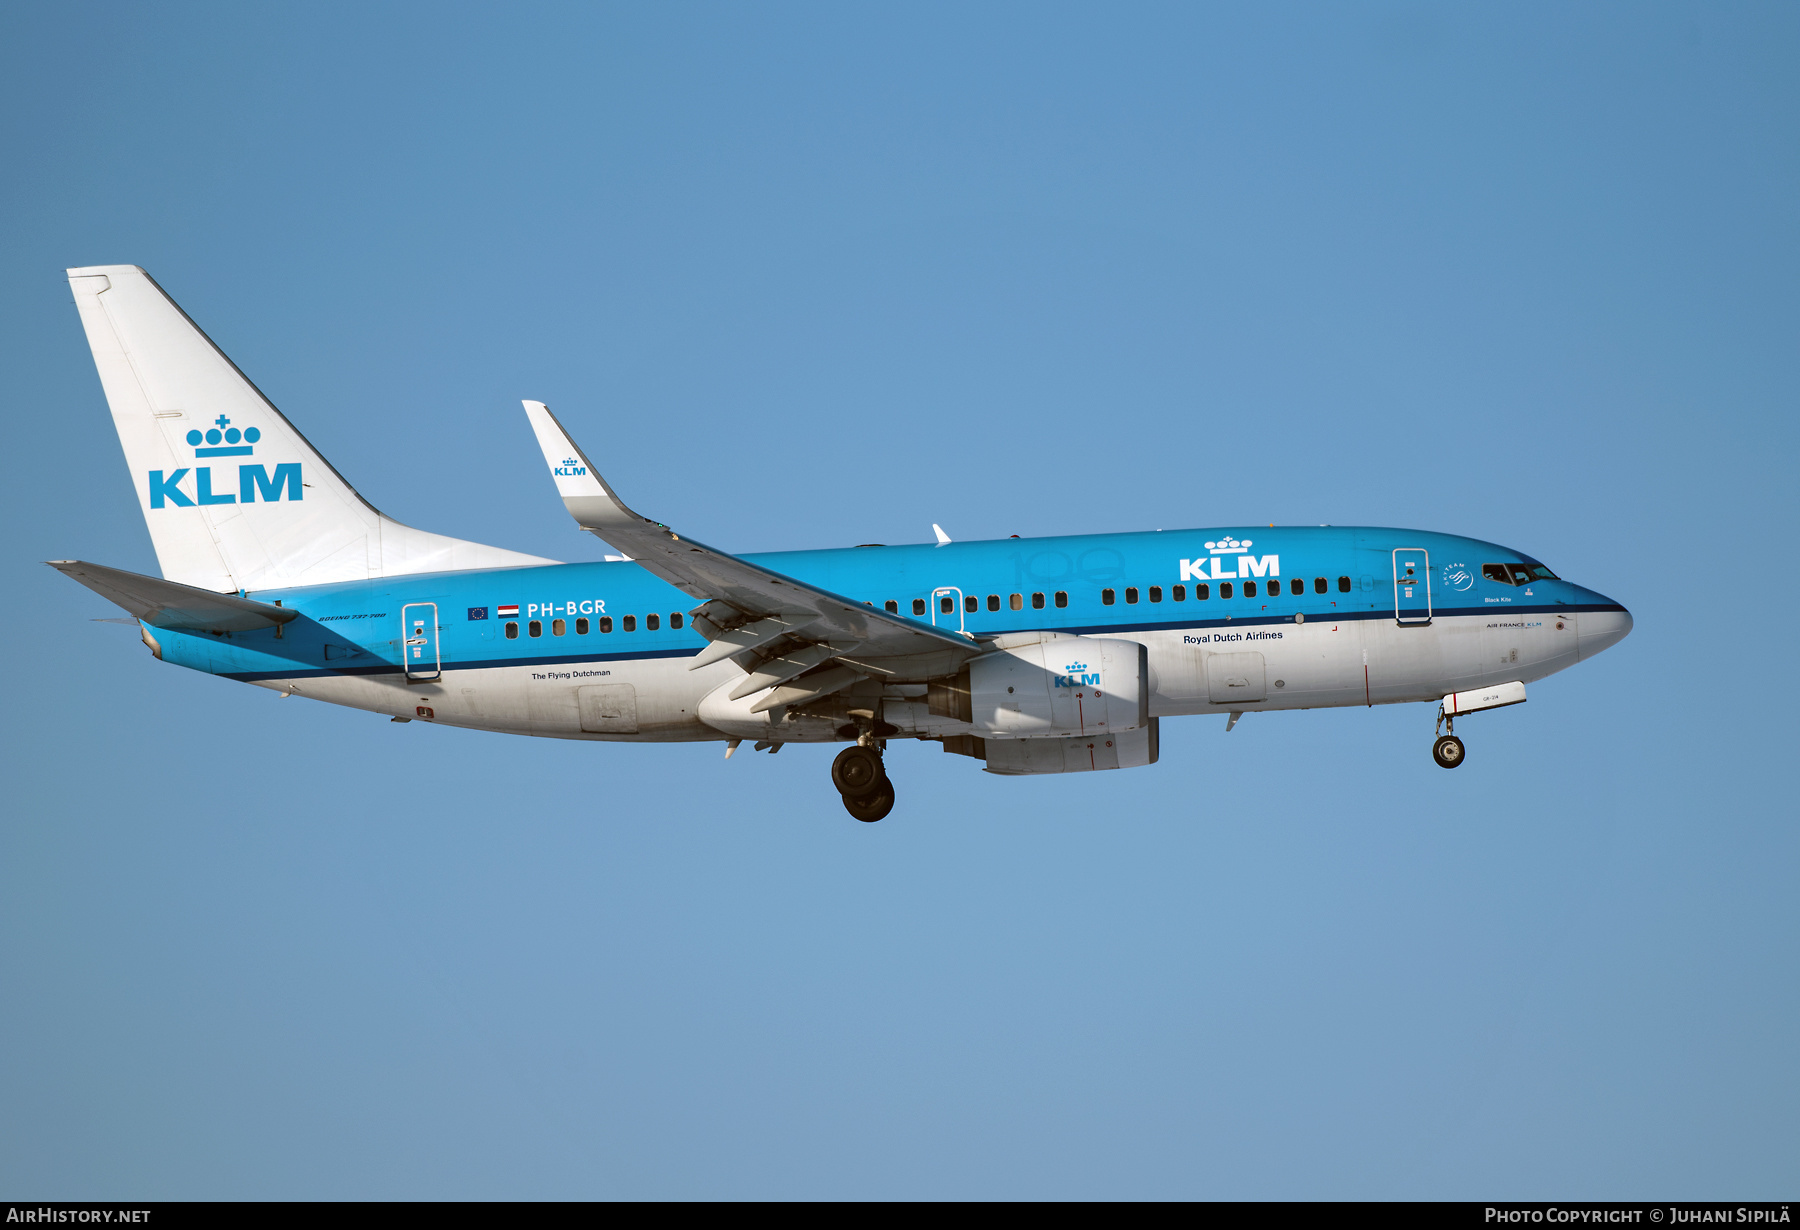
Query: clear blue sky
(810, 276)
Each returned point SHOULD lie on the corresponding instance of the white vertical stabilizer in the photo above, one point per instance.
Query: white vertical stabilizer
(235, 497)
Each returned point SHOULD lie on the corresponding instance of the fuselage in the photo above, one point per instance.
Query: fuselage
(1234, 620)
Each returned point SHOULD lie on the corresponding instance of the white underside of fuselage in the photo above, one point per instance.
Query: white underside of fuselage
(1313, 665)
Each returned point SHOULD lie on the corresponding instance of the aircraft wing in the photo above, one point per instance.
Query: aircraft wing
(776, 627)
(170, 604)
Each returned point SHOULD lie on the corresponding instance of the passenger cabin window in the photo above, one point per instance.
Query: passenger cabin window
(1062, 597)
(918, 606)
(1224, 589)
(1202, 593)
(1517, 574)
(1297, 586)
(1037, 602)
(993, 602)
(558, 627)
(1131, 594)
(1321, 585)
(581, 627)
(1249, 589)
(630, 623)
(675, 619)
(971, 604)
(1106, 597)
(1016, 602)
(512, 631)
(1178, 593)
(1343, 585)
(1156, 593)
(893, 608)
(535, 627)
(606, 623)
(946, 605)
(651, 623)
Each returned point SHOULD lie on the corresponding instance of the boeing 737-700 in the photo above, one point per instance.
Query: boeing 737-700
(1028, 655)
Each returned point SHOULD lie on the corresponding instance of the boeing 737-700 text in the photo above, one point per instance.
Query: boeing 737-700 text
(1031, 655)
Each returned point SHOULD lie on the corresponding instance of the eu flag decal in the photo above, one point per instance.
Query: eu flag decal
(477, 612)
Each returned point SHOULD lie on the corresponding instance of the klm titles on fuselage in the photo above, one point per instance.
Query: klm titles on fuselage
(224, 440)
(1247, 565)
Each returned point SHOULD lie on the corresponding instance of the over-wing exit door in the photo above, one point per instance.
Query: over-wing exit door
(1412, 585)
(419, 640)
(947, 607)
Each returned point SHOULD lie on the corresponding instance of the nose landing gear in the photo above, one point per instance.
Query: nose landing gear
(1448, 750)
(863, 781)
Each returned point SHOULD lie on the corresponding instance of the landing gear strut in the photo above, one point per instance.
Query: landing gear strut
(860, 778)
(1448, 750)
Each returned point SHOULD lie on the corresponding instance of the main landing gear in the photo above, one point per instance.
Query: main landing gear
(860, 778)
(1448, 750)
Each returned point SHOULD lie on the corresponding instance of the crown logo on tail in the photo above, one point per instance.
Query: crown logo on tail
(224, 440)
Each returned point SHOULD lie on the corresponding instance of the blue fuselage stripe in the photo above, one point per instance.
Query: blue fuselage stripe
(1112, 629)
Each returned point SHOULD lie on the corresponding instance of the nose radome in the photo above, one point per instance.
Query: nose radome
(1598, 630)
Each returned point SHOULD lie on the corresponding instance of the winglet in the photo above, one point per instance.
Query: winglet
(593, 504)
(943, 538)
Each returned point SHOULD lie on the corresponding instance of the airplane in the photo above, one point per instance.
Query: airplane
(1029, 655)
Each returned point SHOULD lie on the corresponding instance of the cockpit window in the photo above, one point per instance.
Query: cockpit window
(1517, 574)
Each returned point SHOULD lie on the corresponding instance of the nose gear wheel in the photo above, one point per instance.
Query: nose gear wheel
(1448, 750)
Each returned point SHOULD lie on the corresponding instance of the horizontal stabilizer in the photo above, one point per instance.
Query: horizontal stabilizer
(170, 604)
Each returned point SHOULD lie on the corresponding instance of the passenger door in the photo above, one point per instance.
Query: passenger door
(1412, 585)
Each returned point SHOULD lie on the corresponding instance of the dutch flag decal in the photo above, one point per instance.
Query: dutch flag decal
(509, 612)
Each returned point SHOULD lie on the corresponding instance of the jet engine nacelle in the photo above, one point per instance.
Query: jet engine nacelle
(1069, 686)
(1131, 749)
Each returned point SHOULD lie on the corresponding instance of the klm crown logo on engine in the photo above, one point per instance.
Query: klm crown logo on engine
(225, 440)
(1079, 676)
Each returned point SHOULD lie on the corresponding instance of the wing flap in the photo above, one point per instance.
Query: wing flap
(748, 638)
(809, 688)
(783, 668)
